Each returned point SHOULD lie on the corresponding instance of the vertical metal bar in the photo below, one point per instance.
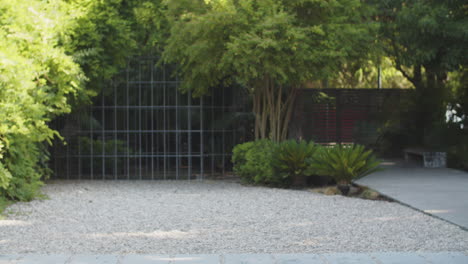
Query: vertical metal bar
(177, 131)
(128, 119)
(79, 144)
(158, 135)
(152, 118)
(164, 126)
(57, 156)
(235, 108)
(201, 138)
(139, 121)
(115, 132)
(103, 142)
(91, 141)
(68, 158)
(213, 134)
(224, 130)
(189, 135)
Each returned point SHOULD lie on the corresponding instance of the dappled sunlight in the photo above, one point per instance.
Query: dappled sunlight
(313, 241)
(390, 218)
(173, 234)
(14, 223)
(187, 258)
(155, 258)
(438, 211)
(308, 223)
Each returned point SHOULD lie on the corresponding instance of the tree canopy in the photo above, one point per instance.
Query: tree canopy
(37, 80)
(427, 40)
(270, 46)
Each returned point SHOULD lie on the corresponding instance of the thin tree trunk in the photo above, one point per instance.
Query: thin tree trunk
(273, 112)
(263, 131)
(288, 110)
(278, 113)
(256, 110)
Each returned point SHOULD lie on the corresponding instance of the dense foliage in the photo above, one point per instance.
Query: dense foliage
(272, 47)
(105, 33)
(427, 39)
(344, 163)
(252, 162)
(37, 81)
(290, 160)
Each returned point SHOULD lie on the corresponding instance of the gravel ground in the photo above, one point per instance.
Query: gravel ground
(214, 217)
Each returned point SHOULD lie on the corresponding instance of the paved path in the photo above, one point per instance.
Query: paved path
(334, 258)
(439, 192)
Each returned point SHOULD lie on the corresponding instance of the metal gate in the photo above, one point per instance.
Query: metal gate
(142, 127)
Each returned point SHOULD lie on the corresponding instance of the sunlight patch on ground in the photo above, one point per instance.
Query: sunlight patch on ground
(389, 218)
(174, 234)
(14, 223)
(435, 211)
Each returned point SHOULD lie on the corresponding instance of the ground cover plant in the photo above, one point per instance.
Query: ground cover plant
(252, 162)
(344, 163)
(290, 162)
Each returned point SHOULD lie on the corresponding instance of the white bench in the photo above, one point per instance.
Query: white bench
(431, 159)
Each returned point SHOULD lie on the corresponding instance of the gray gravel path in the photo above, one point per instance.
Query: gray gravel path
(214, 217)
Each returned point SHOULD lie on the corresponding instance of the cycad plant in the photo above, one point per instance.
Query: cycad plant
(290, 160)
(344, 163)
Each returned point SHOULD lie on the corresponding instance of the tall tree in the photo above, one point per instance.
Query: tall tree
(427, 39)
(104, 34)
(271, 47)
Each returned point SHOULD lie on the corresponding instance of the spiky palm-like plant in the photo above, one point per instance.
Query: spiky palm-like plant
(290, 160)
(344, 163)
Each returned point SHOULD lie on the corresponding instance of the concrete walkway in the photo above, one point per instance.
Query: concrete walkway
(335, 258)
(440, 192)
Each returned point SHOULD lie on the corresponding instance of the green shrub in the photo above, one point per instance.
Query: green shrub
(39, 80)
(344, 163)
(25, 161)
(252, 162)
(291, 159)
(5, 175)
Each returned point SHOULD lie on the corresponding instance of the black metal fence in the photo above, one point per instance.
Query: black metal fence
(143, 128)
(343, 115)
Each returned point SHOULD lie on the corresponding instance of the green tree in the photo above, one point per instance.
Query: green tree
(271, 47)
(37, 81)
(427, 39)
(104, 34)
(364, 74)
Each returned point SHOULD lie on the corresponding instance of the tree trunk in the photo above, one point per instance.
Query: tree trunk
(273, 106)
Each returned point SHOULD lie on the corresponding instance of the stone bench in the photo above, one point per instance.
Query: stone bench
(431, 159)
